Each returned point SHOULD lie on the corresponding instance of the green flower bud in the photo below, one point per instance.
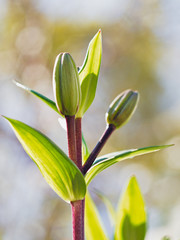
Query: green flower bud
(122, 108)
(66, 85)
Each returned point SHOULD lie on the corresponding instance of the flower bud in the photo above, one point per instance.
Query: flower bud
(66, 85)
(122, 108)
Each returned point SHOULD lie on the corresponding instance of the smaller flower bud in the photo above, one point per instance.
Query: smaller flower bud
(122, 108)
(66, 85)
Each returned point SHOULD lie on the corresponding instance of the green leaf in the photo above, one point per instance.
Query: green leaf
(85, 150)
(93, 226)
(89, 73)
(59, 171)
(106, 161)
(166, 238)
(48, 101)
(131, 215)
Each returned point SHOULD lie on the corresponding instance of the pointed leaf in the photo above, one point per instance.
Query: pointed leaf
(59, 171)
(93, 225)
(89, 72)
(48, 101)
(131, 215)
(85, 150)
(106, 161)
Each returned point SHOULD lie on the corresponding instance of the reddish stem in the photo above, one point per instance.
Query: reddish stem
(98, 147)
(74, 147)
(78, 219)
(78, 142)
(71, 133)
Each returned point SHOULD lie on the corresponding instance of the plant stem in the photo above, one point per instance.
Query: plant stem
(98, 147)
(74, 147)
(71, 136)
(78, 219)
(78, 142)
(78, 207)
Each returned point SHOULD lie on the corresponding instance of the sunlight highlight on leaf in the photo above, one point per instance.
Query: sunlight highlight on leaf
(106, 161)
(59, 171)
(93, 226)
(131, 215)
(89, 73)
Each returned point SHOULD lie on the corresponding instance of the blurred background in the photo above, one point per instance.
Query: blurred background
(141, 50)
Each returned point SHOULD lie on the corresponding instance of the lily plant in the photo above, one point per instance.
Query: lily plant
(69, 175)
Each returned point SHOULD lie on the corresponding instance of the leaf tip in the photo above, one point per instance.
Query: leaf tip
(167, 145)
(98, 35)
(20, 85)
(3, 116)
(133, 180)
(14, 81)
(7, 118)
(171, 145)
(133, 177)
